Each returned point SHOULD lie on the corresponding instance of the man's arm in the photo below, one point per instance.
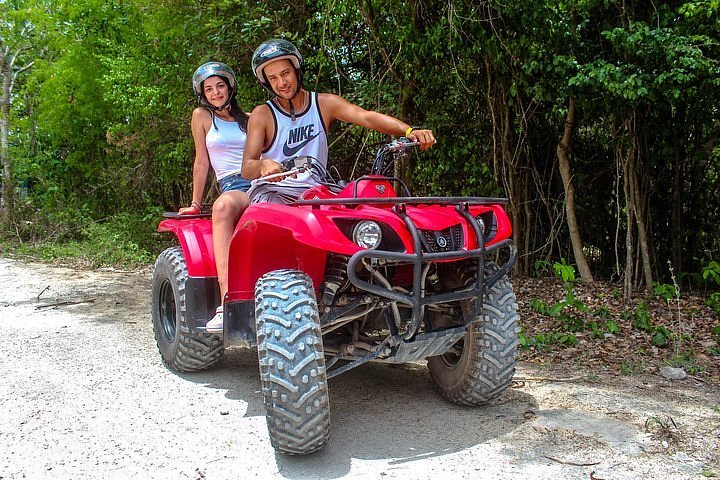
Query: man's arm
(334, 107)
(260, 130)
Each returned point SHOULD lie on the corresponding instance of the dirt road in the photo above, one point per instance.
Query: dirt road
(83, 394)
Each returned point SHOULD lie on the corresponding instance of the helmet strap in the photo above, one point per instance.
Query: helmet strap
(291, 107)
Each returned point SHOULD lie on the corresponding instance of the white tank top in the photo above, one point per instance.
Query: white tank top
(304, 136)
(225, 146)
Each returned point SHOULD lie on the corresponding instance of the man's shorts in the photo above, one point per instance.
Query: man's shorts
(276, 192)
(234, 182)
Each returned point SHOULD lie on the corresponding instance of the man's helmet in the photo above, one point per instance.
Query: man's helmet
(271, 50)
(211, 69)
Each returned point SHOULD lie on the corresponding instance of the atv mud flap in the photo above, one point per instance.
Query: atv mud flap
(417, 299)
(202, 296)
(240, 324)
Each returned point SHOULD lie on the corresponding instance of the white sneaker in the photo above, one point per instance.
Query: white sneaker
(215, 325)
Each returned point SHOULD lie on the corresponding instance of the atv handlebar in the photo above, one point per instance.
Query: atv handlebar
(303, 161)
(401, 143)
(290, 166)
(394, 149)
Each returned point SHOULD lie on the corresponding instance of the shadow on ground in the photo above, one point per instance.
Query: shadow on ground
(378, 412)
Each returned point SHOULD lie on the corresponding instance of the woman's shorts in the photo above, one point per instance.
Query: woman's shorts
(234, 182)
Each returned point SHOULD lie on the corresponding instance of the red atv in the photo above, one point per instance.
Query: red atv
(346, 275)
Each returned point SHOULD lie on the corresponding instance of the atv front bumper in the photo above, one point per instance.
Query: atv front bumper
(418, 297)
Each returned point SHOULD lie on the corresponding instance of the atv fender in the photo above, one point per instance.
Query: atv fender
(195, 237)
(202, 292)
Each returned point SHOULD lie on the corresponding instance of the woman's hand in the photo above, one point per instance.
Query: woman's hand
(193, 209)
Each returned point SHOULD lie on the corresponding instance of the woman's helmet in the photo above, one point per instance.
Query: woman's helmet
(271, 50)
(208, 70)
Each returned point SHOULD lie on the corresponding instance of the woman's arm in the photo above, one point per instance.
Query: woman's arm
(199, 125)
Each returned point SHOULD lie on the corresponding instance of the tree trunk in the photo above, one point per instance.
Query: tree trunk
(629, 212)
(640, 212)
(676, 223)
(563, 155)
(639, 201)
(504, 164)
(7, 190)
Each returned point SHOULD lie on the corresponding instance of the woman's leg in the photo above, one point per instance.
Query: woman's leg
(225, 213)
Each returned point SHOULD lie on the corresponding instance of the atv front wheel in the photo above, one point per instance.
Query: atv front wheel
(481, 365)
(180, 349)
(292, 362)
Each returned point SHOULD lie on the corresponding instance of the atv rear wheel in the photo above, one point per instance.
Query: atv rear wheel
(180, 349)
(292, 362)
(481, 365)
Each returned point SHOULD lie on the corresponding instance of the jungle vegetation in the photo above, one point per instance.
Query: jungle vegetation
(598, 119)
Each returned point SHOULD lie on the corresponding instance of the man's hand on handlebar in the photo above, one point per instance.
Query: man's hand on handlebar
(424, 137)
(268, 168)
(272, 171)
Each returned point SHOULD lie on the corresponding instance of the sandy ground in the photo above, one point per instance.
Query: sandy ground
(83, 394)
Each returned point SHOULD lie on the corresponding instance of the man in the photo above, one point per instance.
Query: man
(296, 122)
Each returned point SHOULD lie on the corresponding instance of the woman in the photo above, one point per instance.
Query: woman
(219, 128)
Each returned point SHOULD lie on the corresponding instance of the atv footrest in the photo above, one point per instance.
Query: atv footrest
(427, 345)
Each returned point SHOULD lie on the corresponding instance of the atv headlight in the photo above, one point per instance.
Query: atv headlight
(367, 234)
(481, 223)
(488, 225)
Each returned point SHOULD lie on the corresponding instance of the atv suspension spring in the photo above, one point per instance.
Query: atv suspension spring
(335, 278)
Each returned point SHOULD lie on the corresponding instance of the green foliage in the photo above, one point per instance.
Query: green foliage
(666, 291)
(612, 327)
(539, 306)
(716, 331)
(711, 272)
(630, 367)
(544, 341)
(685, 360)
(602, 312)
(120, 241)
(99, 126)
(572, 316)
(660, 336)
(641, 318)
(565, 273)
(714, 302)
(542, 267)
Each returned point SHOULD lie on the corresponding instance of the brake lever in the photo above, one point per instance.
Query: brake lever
(402, 143)
(302, 161)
